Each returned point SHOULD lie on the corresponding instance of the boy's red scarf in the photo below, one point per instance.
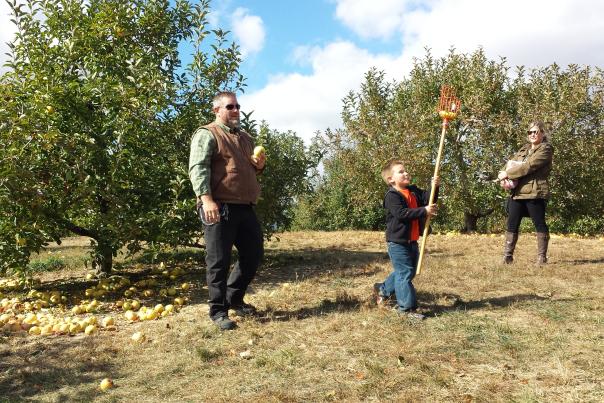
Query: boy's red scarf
(412, 203)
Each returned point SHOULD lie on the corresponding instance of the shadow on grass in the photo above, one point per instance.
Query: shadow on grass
(30, 367)
(310, 263)
(585, 261)
(343, 303)
(429, 301)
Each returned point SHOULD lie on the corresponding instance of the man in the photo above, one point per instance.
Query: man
(223, 172)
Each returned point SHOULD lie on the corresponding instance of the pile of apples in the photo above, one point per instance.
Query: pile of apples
(46, 313)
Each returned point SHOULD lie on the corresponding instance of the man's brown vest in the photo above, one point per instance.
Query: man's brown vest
(233, 178)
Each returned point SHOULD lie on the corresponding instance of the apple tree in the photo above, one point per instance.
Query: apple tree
(386, 120)
(285, 179)
(95, 121)
(571, 103)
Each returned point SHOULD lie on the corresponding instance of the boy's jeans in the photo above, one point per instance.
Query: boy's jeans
(404, 261)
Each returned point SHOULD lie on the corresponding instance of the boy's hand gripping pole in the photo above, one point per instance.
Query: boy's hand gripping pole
(448, 108)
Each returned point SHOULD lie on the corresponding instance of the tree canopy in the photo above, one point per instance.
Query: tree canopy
(97, 115)
(385, 120)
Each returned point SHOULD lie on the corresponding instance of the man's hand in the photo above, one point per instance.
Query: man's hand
(431, 209)
(259, 161)
(436, 181)
(211, 210)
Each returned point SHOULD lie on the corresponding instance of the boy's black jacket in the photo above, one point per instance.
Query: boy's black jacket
(399, 215)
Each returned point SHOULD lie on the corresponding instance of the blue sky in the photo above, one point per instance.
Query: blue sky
(308, 54)
(301, 57)
(289, 26)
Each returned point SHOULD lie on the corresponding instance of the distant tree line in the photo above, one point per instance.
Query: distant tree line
(386, 119)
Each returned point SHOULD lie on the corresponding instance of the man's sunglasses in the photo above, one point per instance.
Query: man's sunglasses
(230, 107)
(529, 132)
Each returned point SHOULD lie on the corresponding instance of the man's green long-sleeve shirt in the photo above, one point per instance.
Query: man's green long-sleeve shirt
(203, 146)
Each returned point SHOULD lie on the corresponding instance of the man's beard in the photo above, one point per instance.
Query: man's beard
(234, 123)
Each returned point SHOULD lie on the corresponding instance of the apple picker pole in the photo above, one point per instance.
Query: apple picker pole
(448, 108)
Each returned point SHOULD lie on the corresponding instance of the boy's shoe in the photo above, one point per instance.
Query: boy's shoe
(377, 294)
(412, 315)
(380, 299)
(224, 323)
(244, 309)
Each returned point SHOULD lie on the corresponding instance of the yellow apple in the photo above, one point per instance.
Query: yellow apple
(50, 109)
(258, 150)
(131, 316)
(90, 329)
(4, 318)
(35, 330)
(108, 321)
(151, 315)
(138, 337)
(75, 328)
(106, 384)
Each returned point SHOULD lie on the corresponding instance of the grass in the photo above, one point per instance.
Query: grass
(494, 332)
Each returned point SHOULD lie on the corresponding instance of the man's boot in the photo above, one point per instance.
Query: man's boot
(542, 243)
(508, 249)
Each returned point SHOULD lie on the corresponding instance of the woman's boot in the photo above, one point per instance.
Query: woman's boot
(508, 249)
(542, 243)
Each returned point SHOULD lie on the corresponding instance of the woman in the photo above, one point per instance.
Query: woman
(530, 190)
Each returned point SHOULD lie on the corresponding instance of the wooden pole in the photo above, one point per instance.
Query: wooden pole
(432, 195)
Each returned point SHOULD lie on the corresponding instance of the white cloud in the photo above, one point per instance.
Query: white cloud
(526, 32)
(248, 31)
(532, 33)
(372, 19)
(310, 103)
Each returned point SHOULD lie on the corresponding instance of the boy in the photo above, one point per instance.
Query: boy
(406, 209)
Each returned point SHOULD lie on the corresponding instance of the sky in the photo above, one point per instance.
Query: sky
(302, 57)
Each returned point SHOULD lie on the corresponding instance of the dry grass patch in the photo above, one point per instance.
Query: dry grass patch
(494, 332)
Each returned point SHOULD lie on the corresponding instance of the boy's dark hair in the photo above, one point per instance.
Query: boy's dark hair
(387, 169)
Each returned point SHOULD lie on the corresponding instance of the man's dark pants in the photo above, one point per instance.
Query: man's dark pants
(240, 228)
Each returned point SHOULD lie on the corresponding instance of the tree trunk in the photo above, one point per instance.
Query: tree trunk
(469, 222)
(103, 258)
